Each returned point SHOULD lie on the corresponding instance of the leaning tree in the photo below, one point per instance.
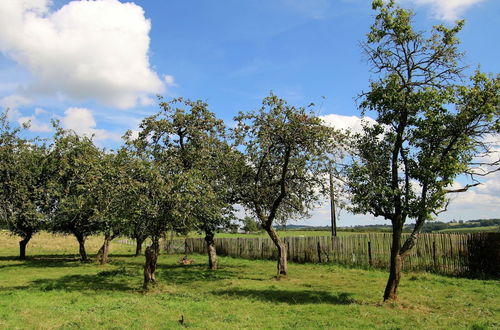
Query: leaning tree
(286, 151)
(431, 127)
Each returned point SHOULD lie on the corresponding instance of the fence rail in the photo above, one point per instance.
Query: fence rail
(457, 254)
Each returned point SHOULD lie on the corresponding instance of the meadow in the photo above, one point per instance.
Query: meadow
(52, 289)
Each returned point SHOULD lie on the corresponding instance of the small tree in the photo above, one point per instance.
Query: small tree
(286, 154)
(76, 165)
(23, 184)
(429, 130)
(188, 138)
(111, 204)
(250, 225)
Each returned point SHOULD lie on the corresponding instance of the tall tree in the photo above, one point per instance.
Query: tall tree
(188, 137)
(430, 128)
(286, 159)
(23, 184)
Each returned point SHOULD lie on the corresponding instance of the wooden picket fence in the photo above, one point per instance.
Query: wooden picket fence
(456, 254)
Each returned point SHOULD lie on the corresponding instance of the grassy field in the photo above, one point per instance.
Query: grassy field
(52, 289)
(471, 229)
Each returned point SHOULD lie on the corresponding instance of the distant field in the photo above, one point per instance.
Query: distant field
(471, 229)
(52, 289)
(282, 233)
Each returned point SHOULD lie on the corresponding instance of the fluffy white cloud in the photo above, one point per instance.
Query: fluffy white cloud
(81, 120)
(448, 10)
(85, 50)
(352, 123)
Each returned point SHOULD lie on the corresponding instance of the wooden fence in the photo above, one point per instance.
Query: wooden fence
(457, 254)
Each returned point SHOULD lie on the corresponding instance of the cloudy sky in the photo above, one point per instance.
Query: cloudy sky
(97, 65)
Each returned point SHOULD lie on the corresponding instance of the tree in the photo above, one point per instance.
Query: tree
(111, 204)
(159, 198)
(189, 138)
(23, 184)
(430, 129)
(77, 167)
(250, 225)
(286, 159)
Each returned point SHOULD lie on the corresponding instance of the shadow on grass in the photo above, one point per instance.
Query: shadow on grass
(289, 297)
(182, 274)
(121, 279)
(84, 283)
(55, 260)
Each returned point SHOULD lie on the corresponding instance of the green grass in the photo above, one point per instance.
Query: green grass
(52, 289)
(471, 229)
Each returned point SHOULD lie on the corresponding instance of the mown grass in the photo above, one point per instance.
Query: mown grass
(52, 289)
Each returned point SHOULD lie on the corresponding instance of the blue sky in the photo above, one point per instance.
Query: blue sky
(97, 65)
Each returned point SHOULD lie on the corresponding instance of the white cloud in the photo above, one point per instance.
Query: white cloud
(35, 125)
(169, 80)
(85, 50)
(448, 10)
(352, 123)
(82, 122)
(14, 101)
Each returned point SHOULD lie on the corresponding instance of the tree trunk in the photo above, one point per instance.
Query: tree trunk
(282, 251)
(152, 252)
(22, 245)
(395, 267)
(212, 253)
(103, 253)
(138, 246)
(81, 242)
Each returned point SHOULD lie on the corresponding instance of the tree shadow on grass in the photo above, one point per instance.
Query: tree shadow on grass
(42, 261)
(121, 279)
(289, 297)
(182, 274)
(57, 260)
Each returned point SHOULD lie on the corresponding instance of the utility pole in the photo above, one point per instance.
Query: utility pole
(333, 215)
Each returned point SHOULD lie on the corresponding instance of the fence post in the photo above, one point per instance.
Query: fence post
(370, 254)
(434, 255)
(319, 252)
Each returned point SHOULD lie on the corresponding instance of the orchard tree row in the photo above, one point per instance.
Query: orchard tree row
(186, 171)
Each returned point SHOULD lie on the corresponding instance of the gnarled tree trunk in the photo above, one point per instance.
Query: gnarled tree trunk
(81, 243)
(22, 245)
(396, 264)
(212, 253)
(103, 253)
(152, 253)
(282, 250)
(398, 254)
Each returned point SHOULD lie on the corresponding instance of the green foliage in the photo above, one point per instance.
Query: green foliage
(429, 127)
(187, 141)
(286, 152)
(250, 225)
(77, 167)
(23, 182)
